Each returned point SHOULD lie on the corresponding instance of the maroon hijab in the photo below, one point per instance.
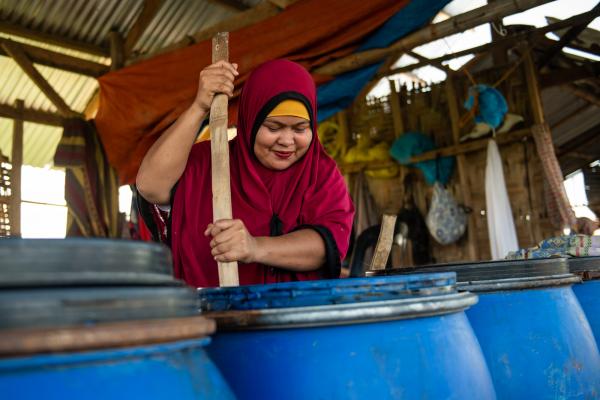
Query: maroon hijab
(309, 194)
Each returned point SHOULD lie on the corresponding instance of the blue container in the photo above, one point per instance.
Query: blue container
(82, 319)
(178, 370)
(588, 292)
(534, 335)
(403, 337)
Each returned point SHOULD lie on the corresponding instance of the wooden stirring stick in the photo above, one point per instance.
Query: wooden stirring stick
(219, 151)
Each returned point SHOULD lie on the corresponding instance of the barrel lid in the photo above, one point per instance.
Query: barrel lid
(587, 267)
(59, 307)
(79, 261)
(325, 292)
(489, 271)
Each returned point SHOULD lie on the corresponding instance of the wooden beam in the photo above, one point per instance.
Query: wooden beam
(149, 11)
(565, 39)
(435, 64)
(396, 110)
(568, 75)
(571, 115)
(472, 247)
(57, 60)
(430, 33)
(508, 41)
(17, 53)
(17, 30)
(449, 151)
(241, 20)
(29, 115)
(117, 51)
(234, 5)
(585, 95)
(15, 174)
(471, 146)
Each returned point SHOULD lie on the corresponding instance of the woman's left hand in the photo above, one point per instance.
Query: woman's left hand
(231, 241)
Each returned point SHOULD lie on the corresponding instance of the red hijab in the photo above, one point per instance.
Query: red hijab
(311, 193)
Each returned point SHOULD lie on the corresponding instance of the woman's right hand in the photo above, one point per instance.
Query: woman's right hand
(214, 79)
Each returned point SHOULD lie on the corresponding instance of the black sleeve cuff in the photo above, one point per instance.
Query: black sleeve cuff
(332, 267)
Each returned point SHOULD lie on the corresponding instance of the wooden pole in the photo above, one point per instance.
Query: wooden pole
(396, 111)
(18, 55)
(15, 179)
(428, 34)
(472, 248)
(117, 50)
(384, 242)
(219, 150)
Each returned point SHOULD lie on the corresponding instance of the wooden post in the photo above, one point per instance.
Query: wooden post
(117, 50)
(219, 150)
(462, 169)
(342, 119)
(18, 55)
(396, 111)
(384, 242)
(15, 179)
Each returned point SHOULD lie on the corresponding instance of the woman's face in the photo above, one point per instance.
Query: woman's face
(281, 141)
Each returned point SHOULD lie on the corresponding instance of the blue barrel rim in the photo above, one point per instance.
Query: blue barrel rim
(342, 314)
(324, 292)
(81, 261)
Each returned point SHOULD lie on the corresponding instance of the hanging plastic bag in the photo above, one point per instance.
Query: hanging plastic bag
(446, 220)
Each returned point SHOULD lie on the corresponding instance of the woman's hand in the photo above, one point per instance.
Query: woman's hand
(231, 241)
(214, 79)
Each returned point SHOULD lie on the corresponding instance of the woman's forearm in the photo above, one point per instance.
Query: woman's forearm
(302, 250)
(165, 162)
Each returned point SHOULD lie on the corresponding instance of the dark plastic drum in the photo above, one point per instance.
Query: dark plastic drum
(78, 261)
(535, 337)
(100, 319)
(404, 337)
(588, 292)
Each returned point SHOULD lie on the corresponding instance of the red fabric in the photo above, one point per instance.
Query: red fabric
(139, 102)
(311, 191)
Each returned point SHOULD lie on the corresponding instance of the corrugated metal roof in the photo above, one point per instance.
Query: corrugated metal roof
(559, 103)
(87, 21)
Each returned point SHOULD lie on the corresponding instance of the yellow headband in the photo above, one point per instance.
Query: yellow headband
(292, 108)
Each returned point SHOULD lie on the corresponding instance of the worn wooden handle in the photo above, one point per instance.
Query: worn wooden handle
(384, 242)
(219, 151)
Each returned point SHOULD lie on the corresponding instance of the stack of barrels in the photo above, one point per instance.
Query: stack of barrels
(105, 319)
(100, 319)
(507, 330)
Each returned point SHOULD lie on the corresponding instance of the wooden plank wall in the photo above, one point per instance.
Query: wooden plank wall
(425, 109)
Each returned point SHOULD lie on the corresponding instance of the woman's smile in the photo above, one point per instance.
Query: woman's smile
(282, 140)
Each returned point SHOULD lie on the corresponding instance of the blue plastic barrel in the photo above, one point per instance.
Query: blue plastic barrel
(175, 370)
(404, 337)
(588, 292)
(535, 337)
(100, 319)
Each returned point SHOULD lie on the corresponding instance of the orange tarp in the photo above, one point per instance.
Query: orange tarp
(139, 102)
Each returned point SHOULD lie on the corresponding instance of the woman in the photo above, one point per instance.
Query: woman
(291, 209)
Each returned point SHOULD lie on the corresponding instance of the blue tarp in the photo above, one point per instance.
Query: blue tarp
(339, 93)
